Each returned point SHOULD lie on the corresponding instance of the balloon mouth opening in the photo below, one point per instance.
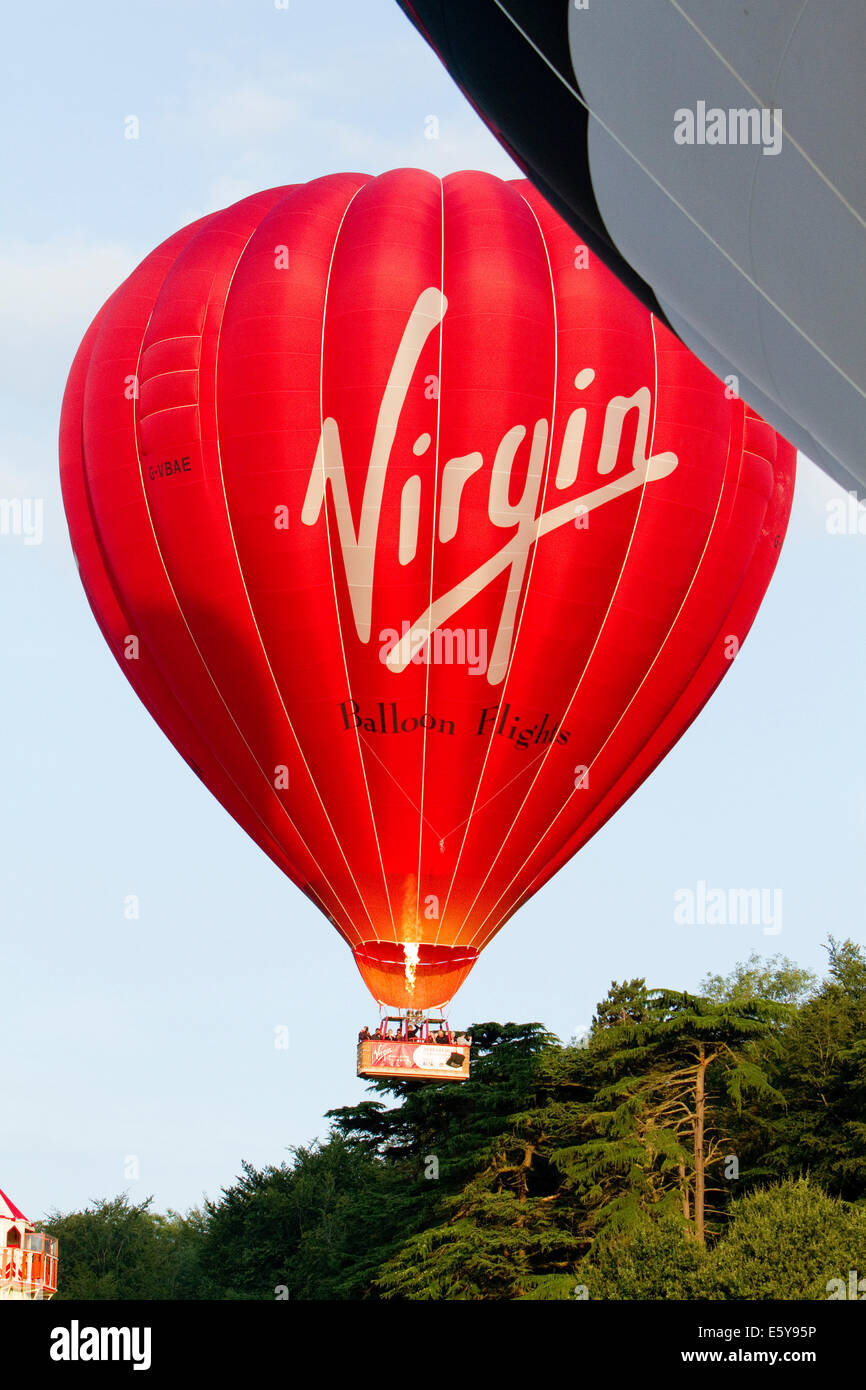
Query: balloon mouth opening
(414, 975)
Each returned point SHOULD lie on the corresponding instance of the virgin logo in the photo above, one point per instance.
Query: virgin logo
(522, 519)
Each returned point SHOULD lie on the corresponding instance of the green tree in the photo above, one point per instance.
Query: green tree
(649, 1259)
(674, 1079)
(316, 1228)
(821, 1129)
(499, 1229)
(121, 1249)
(624, 1003)
(777, 978)
(787, 1241)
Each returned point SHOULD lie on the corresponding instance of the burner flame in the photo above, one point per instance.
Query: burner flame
(411, 952)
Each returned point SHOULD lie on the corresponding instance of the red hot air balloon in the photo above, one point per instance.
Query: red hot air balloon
(418, 536)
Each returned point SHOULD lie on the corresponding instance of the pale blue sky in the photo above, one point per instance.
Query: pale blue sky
(155, 1037)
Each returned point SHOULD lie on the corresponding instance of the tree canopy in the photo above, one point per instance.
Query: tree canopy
(708, 1145)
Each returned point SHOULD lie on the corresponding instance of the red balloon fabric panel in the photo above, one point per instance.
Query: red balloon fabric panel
(418, 536)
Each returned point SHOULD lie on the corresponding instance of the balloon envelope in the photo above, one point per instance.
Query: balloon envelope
(711, 154)
(418, 536)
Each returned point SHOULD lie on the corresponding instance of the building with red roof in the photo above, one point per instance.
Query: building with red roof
(28, 1258)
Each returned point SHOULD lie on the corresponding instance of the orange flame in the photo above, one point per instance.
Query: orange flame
(411, 950)
(410, 932)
